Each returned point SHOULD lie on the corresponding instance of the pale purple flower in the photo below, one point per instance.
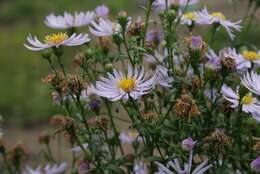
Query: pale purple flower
(140, 168)
(175, 165)
(78, 149)
(48, 169)
(118, 86)
(213, 60)
(56, 40)
(83, 166)
(102, 11)
(69, 20)
(252, 82)
(129, 137)
(196, 42)
(255, 165)
(160, 5)
(162, 77)
(154, 35)
(104, 27)
(188, 144)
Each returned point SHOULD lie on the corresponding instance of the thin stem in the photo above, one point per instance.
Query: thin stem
(127, 48)
(146, 24)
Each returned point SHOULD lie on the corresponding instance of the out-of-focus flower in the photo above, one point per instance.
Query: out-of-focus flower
(154, 37)
(249, 103)
(188, 144)
(213, 60)
(48, 169)
(102, 11)
(252, 82)
(204, 17)
(83, 166)
(56, 40)
(78, 149)
(189, 18)
(162, 77)
(140, 168)
(69, 20)
(255, 165)
(118, 86)
(135, 28)
(196, 43)
(104, 27)
(160, 5)
(129, 137)
(201, 169)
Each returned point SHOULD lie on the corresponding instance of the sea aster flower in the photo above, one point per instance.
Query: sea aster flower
(189, 18)
(104, 27)
(140, 168)
(162, 77)
(213, 60)
(255, 165)
(56, 40)
(102, 11)
(201, 169)
(48, 169)
(249, 103)
(129, 137)
(69, 20)
(251, 57)
(119, 86)
(252, 82)
(204, 17)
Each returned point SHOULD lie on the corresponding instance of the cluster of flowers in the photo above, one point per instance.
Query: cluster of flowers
(173, 90)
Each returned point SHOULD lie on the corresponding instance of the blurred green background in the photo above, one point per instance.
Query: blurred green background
(24, 99)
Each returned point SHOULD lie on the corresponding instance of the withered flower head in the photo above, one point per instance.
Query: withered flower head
(63, 121)
(136, 28)
(79, 59)
(98, 123)
(17, 152)
(196, 43)
(256, 147)
(75, 84)
(196, 83)
(56, 80)
(228, 64)
(44, 138)
(149, 116)
(106, 42)
(83, 166)
(186, 107)
(218, 140)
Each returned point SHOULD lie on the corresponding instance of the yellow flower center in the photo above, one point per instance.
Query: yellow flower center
(218, 15)
(127, 84)
(191, 16)
(133, 134)
(56, 38)
(251, 55)
(247, 100)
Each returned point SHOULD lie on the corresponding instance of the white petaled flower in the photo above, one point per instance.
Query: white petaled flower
(69, 20)
(187, 169)
(249, 103)
(140, 168)
(129, 137)
(48, 169)
(78, 149)
(204, 17)
(162, 77)
(252, 82)
(104, 27)
(56, 40)
(189, 18)
(160, 5)
(118, 86)
(251, 57)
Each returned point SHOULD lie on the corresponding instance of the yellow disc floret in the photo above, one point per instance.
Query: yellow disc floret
(191, 16)
(219, 15)
(251, 55)
(247, 100)
(127, 84)
(56, 39)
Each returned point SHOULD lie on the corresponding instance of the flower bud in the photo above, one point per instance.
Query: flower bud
(188, 144)
(46, 54)
(122, 19)
(171, 15)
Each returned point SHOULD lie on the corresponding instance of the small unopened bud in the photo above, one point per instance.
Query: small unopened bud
(46, 54)
(122, 19)
(188, 144)
(109, 67)
(171, 15)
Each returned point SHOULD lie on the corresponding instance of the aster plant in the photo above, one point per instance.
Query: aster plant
(181, 99)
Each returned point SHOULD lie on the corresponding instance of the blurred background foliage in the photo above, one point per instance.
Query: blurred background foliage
(24, 99)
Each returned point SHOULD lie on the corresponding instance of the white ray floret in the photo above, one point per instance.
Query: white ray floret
(187, 169)
(104, 27)
(118, 86)
(69, 20)
(48, 169)
(251, 80)
(249, 103)
(56, 40)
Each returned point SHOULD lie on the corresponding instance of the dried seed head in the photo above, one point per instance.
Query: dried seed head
(75, 84)
(105, 42)
(256, 147)
(196, 83)
(218, 140)
(17, 152)
(79, 59)
(136, 28)
(44, 138)
(149, 116)
(228, 64)
(98, 123)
